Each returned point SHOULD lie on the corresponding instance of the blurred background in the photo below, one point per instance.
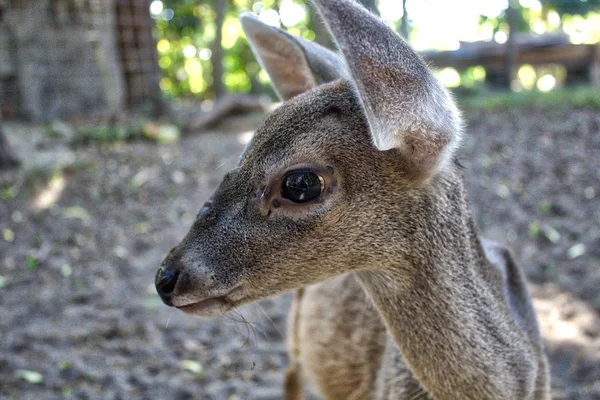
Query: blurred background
(118, 119)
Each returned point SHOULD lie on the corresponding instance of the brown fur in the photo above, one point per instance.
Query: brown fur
(402, 299)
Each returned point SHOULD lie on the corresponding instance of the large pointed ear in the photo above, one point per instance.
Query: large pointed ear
(405, 105)
(294, 65)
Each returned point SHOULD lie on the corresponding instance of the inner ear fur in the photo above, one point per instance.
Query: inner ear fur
(294, 65)
(406, 107)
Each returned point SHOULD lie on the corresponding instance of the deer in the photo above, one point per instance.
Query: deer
(351, 194)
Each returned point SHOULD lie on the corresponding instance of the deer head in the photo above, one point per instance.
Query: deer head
(337, 179)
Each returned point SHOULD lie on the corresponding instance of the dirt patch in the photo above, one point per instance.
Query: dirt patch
(82, 231)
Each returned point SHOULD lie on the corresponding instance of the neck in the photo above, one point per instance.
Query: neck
(442, 307)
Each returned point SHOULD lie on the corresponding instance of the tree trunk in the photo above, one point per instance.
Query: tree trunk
(511, 45)
(6, 158)
(217, 49)
(404, 22)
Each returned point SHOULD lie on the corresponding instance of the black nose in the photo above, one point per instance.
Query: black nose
(165, 283)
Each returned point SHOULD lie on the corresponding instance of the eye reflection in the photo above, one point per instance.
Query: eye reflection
(302, 186)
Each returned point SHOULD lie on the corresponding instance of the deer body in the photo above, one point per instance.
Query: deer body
(350, 191)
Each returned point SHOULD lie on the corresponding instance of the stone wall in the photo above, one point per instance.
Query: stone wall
(60, 59)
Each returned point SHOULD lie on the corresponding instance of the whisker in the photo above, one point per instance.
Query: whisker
(270, 319)
(243, 321)
(222, 164)
(249, 328)
(169, 319)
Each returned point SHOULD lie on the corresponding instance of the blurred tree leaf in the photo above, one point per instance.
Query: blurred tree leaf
(571, 7)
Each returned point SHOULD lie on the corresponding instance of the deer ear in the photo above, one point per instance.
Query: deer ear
(294, 65)
(405, 105)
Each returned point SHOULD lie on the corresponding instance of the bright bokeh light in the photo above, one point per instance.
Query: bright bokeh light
(527, 76)
(533, 5)
(391, 10)
(449, 77)
(168, 14)
(193, 69)
(263, 77)
(189, 51)
(546, 83)
(50, 194)
(232, 30)
(291, 13)
(582, 30)
(163, 46)
(269, 17)
(553, 18)
(156, 7)
(181, 74)
(308, 35)
(538, 27)
(205, 54)
(472, 76)
(478, 73)
(442, 24)
(166, 84)
(500, 37)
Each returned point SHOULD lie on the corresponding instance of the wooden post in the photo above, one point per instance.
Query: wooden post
(594, 68)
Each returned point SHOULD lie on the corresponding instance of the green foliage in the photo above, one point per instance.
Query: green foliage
(534, 229)
(7, 192)
(581, 97)
(139, 129)
(186, 31)
(32, 263)
(572, 7)
(500, 23)
(186, 40)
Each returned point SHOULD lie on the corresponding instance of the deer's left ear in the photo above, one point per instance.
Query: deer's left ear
(294, 65)
(405, 105)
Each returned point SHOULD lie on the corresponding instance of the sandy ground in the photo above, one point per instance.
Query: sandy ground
(83, 230)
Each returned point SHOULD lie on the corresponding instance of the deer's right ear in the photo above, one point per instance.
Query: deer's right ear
(294, 65)
(407, 108)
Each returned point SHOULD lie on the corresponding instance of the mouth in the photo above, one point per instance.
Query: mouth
(212, 306)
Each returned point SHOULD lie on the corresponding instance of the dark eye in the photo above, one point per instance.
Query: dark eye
(301, 186)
